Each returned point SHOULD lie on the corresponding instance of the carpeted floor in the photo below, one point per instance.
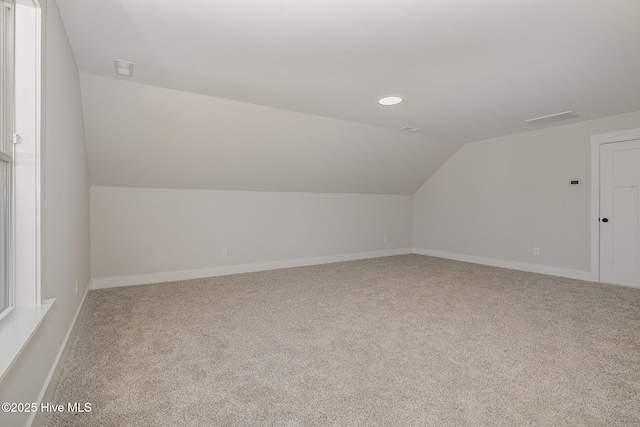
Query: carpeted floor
(398, 341)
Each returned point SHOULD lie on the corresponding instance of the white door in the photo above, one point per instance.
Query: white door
(619, 213)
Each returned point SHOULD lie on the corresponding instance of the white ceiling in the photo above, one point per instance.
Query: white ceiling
(468, 70)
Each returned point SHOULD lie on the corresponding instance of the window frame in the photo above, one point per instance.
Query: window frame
(19, 324)
(7, 130)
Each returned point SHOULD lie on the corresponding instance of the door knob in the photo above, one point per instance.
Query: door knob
(605, 219)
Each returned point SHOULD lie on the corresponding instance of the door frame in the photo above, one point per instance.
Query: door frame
(596, 142)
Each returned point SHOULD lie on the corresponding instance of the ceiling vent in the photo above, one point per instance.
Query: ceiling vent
(123, 68)
(552, 118)
(410, 129)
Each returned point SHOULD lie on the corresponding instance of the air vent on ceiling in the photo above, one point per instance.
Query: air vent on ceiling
(410, 129)
(123, 68)
(552, 118)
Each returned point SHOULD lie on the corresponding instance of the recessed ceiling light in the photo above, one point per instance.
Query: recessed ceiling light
(390, 100)
(123, 68)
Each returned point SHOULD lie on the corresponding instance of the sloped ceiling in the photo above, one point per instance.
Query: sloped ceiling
(145, 136)
(281, 95)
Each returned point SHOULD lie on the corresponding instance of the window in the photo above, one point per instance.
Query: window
(22, 308)
(6, 153)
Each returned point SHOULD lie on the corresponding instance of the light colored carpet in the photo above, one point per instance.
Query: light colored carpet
(398, 341)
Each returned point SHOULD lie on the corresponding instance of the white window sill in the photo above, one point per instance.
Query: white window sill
(16, 329)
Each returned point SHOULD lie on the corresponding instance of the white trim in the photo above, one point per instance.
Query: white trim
(595, 211)
(596, 141)
(514, 265)
(171, 276)
(16, 331)
(606, 138)
(27, 160)
(60, 353)
(40, 33)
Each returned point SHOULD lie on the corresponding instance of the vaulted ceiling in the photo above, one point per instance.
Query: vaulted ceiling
(281, 95)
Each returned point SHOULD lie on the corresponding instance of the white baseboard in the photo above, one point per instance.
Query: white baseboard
(171, 276)
(514, 265)
(59, 355)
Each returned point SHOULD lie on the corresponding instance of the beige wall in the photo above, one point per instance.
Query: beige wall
(501, 197)
(66, 217)
(141, 231)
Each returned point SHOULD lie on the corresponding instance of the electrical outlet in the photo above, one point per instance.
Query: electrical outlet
(536, 251)
(76, 286)
(384, 240)
(223, 254)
